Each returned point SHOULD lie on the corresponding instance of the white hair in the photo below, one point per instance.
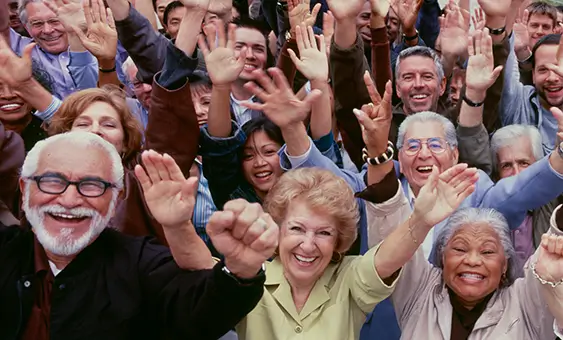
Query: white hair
(426, 117)
(127, 64)
(492, 218)
(22, 4)
(84, 139)
(507, 135)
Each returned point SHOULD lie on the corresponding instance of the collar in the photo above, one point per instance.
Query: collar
(41, 263)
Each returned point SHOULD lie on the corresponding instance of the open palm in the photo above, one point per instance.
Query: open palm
(343, 9)
(101, 37)
(481, 72)
(169, 196)
(223, 66)
(69, 12)
(13, 69)
(443, 193)
(313, 60)
(299, 12)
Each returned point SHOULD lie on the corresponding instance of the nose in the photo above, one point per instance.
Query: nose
(96, 129)
(308, 244)
(259, 161)
(516, 170)
(71, 198)
(7, 91)
(552, 77)
(424, 152)
(473, 258)
(250, 53)
(418, 81)
(47, 28)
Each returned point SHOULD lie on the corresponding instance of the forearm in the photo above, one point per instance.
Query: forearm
(285, 63)
(321, 112)
(556, 161)
(119, 9)
(35, 94)
(471, 116)
(107, 78)
(411, 32)
(296, 139)
(523, 53)
(399, 247)
(4, 19)
(380, 58)
(219, 117)
(187, 248)
(190, 28)
(147, 10)
(345, 33)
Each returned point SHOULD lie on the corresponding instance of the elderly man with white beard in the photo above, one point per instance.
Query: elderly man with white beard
(66, 275)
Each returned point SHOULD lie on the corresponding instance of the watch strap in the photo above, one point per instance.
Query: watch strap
(411, 38)
(470, 102)
(497, 31)
(243, 281)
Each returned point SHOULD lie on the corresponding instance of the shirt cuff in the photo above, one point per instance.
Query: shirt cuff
(50, 110)
(382, 191)
(298, 160)
(557, 330)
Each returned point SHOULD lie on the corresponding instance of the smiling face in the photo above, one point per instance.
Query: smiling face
(102, 119)
(201, 97)
(174, 19)
(256, 51)
(68, 222)
(261, 163)
(548, 84)
(45, 28)
(307, 242)
(474, 262)
(418, 84)
(393, 24)
(13, 109)
(363, 23)
(538, 26)
(417, 168)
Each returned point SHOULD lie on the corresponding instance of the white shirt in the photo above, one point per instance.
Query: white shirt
(428, 243)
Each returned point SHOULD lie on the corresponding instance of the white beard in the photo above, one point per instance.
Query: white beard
(64, 244)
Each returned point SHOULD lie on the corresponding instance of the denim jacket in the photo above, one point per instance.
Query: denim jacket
(222, 164)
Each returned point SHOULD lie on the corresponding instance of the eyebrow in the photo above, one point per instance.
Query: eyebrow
(84, 178)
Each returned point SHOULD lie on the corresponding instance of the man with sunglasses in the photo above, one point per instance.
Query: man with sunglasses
(66, 274)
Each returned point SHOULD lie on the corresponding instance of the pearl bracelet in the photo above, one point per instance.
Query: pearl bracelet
(542, 281)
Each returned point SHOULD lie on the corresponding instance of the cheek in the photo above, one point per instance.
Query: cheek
(274, 162)
(246, 166)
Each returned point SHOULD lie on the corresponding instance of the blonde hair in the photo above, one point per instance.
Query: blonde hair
(323, 192)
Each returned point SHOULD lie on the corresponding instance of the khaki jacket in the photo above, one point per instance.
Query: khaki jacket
(421, 300)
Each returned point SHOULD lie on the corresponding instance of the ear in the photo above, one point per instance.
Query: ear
(443, 85)
(22, 186)
(455, 155)
(397, 89)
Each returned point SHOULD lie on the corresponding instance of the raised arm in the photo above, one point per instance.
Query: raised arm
(12, 154)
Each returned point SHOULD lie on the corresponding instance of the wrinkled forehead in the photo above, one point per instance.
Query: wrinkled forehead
(75, 161)
(417, 64)
(38, 11)
(476, 233)
(425, 130)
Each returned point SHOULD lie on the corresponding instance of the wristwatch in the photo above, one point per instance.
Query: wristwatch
(242, 281)
(411, 38)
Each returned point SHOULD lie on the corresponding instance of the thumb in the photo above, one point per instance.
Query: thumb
(312, 97)
(189, 188)
(558, 114)
(293, 57)
(496, 73)
(27, 51)
(80, 33)
(220, 222)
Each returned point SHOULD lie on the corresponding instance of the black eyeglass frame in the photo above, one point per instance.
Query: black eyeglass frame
(37, 180)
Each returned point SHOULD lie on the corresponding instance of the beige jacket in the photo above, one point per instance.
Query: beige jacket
(421, 299)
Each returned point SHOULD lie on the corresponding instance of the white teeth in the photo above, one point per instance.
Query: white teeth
(10, 106)
(263, 174)
(424, 168)
(419, 96)
(553, 89)
(472, 276)
(305, 259)
(65, 216)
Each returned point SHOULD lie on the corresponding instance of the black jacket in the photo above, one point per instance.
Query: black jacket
(121, 287)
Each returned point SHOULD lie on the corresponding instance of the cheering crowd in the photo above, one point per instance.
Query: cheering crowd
(292, 169)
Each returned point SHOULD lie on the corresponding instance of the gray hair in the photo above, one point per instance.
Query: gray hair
(127, 64)
(421, 51)
(492, 218)
(507, 135)
(427, 117)
(22, 4)
(84, 139)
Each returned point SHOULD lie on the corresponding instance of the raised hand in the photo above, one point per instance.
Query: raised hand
(202, 5)
(407, 11)
(375, 117)
(328, 29)
(13, 69)
(69, 12)
(245, 235)
(559, 67)
(481, 72)
(495, 8)
(558, 115)
(278, 101)
(521, 35)
(222, 64)
(169, 196)
(345, 9)
(222, 8)
(453, 33)
(312, 61)
(443, 193)
(101, 36)
(549, 265)
(478, 19)
(381, 7)
(299, 13)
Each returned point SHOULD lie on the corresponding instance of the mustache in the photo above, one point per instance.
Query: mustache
(58, 209)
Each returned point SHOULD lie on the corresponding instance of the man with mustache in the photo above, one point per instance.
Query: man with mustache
(65, 274)
(46, 29)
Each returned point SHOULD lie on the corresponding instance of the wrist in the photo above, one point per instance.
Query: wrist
(495, 22)
(410, 32)
(106, 63)
(523, 53)
(319, 84)
(244, 271)
(474, 95)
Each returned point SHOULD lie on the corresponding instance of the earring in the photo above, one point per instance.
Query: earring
(336, 257)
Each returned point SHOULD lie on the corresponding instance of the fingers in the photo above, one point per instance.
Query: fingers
(296, 61)
(203, 45)
(552, 244)
(365, 122)
(263, 80)
(111, 19)
(471, 44)
(450, 173)
(256, 229)
(312, 97)
(386, 102)
(87, 13)
(231, 39)
(477, 37)
(268, 240)
(315, 10)
(83, 38)
(143, 178)
(211, 34)
(153, 165)
(559, 246)
(467, 174)
(257, 91)
(496, 73)
(96, 17)
(220, 222)
(372, 90)
(280, 81)
(525, 17)
(221, 36)
(486, 43)
(299, 38)
(246, 218)
(558, 114)
(27, 51)
(189, 189)
(174, 172)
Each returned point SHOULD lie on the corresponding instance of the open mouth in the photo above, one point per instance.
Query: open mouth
(10, 107)
(553, 89)
(68, 218)
(419, 97)
(471, 277)
(249, 67)
(426, 169)
(304, 260)
(51, 38)
(263, 176)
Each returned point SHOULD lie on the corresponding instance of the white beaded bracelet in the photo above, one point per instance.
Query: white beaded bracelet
(542, 281)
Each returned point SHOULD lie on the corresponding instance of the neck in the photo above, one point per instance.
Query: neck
(239, 91)
(19, 125)
(408, 111)
(300, 294)
(60, 261)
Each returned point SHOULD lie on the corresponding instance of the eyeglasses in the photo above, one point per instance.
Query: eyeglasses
(37, 24)
(55, 184)
(436, 145)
